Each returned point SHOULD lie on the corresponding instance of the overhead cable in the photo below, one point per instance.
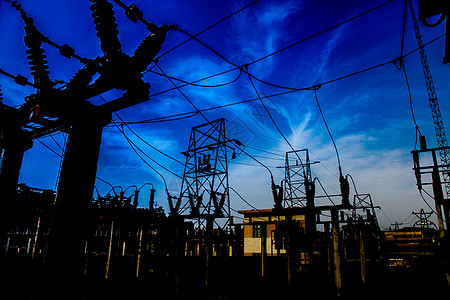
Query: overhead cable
(201, 113)
(273, 121)
(144, 141)
(328, 130)
(60, 156)
(321, 32)
(211, 26)
(245, 201)
(203, 85)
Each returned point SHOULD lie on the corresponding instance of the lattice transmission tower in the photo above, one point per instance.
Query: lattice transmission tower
(204, 195)
(434, 104)
(297, 173)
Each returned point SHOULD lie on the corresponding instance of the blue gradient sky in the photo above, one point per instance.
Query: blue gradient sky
(368, 114)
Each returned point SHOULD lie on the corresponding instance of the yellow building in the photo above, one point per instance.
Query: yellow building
(260, 230)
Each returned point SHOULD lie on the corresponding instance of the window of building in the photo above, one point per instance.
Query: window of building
(257, 229)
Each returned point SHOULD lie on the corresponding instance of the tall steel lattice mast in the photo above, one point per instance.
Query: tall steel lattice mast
(434, 105)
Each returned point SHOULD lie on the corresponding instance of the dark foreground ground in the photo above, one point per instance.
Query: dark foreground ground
(228, 278)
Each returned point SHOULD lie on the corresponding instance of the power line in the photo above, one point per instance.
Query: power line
(170, 118)
(321, 32)
(328, 196)
(133, 145)
(410, 102)
(267, 151)
(426, 202)
(245, 201)
(204, 85)
(147, 143)
(46, 146)
(273, 121)
(210, 48)
(193, 82)
(328, 129)
(61, 156)
(19, 79)
(294, 89)
(211, 26)
(290, 89)
(287, 47)
(279, 141)
(200, 112)
(65, 50)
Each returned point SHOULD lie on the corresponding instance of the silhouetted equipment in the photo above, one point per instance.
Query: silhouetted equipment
(430, 8)
(424, 219)
(433, 178)
(151, 203)
(13, 144)
(277, 193)
(364, 202)
(336, 252)
(68, 108)
(296, 175)
(422, 142)
(432, 98)
(345, 191)
(204, 194)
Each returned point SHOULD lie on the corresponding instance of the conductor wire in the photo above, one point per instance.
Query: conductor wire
(328, 129)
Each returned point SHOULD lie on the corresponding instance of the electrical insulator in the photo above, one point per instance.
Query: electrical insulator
(133, 13)
(36, 56)
(106, 27)
(219, 204)
(417, 169)
(277, 192)
(437, 186)
(345, 191)
(148, 49)
(423, 142)
(82, 77)
(121, 197)
(310, 190)
(152, 198)
(173, 209)
(136, 197)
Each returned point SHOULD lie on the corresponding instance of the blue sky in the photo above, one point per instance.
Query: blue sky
(368, 114)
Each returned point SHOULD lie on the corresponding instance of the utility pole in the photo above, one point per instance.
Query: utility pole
(336, 254)
(263, 249)
(362, 252)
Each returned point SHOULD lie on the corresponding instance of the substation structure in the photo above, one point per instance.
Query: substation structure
(65, 237)
(68, 109)
(430, 171)
(299, 245)
(291, 229)
(204, 199)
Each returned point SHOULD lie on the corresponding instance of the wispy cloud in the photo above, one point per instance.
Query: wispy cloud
(270, 20)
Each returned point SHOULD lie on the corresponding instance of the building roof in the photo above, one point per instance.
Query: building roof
(272, 212)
